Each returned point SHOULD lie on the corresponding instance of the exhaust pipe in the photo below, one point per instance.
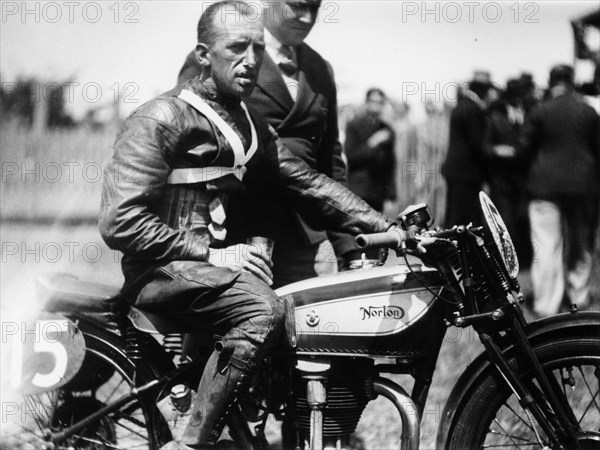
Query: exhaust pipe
(409, 439)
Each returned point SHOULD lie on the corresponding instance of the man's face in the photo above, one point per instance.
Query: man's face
(375, 104)
(290, 21)
(236, 54)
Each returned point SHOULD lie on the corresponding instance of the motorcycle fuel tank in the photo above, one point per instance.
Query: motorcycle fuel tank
(373, 311)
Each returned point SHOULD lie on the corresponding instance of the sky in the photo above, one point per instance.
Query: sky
(413, 50)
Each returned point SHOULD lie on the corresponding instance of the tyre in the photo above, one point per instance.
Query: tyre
(492, 417)
(109, 374)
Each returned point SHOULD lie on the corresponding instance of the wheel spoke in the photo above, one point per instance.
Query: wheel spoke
(34, 407)
(521, 419)
(131, 431)
(594, 395)
(130, 418)
(115, 390)
(102, 442)
(497, 422)
(99, 439)
(511, 440)
(509, 445)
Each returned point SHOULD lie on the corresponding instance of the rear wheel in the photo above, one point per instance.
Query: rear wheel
(493, 418)
(106, 375)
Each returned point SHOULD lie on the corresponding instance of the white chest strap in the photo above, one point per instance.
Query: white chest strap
(240, 158)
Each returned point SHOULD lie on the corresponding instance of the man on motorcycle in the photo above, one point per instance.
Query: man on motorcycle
(297, 95)
(176, 161)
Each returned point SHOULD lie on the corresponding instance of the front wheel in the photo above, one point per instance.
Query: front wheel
(492, 417)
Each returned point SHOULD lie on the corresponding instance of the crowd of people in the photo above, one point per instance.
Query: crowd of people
(535, 151)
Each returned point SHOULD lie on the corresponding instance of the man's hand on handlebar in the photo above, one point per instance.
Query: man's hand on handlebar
(420, 240)
(396, 238)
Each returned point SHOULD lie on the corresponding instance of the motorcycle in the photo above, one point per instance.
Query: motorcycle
(96, 373)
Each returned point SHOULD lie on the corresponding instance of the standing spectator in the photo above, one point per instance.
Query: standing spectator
(465, 168)
(506, 174)
(562, 142)
(529, 92)
(369, 148)
(297, 95)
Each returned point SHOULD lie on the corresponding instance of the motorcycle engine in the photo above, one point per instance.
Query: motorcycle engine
(348, 392)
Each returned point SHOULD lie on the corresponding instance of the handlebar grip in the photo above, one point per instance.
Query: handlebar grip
(387, 239)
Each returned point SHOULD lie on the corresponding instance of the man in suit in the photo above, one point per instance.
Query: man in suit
(465, 168)
(296, 94)
(562, 144)
(506, 174)
(370, 151)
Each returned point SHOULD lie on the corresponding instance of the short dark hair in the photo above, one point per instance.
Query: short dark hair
(562, 73)
(514, 90)
(374, 90)
(206, 24)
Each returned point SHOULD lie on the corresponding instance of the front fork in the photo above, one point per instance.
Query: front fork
(547, 404)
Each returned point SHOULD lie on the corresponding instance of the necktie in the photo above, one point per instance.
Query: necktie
(286, 61)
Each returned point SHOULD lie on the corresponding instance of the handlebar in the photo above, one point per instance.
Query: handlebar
(415, 220)
(393, 239)
(387, 239)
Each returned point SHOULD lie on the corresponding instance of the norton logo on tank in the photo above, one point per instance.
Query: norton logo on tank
(377, 314)
(382, 312)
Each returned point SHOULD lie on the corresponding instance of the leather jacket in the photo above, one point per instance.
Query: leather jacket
(153, 222)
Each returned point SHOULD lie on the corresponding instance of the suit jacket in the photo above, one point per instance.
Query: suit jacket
(307, 127)
(466, 155)
(506, 173)
(561, 141)
(370, 170)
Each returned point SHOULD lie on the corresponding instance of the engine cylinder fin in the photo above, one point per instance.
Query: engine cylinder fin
(348, 392)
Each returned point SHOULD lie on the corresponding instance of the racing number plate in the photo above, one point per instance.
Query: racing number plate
(40, 354)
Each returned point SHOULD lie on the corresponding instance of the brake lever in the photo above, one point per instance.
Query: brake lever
(383, 255)
(420, 242)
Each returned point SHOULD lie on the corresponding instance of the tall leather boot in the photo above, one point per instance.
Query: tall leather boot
(224, 377)
(217, 393)
(227, 372)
